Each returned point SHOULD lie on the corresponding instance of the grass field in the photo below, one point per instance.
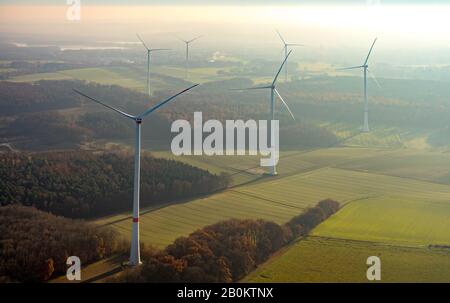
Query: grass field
(431, 166)
(403, 226)
(397, 202)
(391, 137)
(305, 178)
(318, 259)
(242, 169)
(197, 75)
(103, 75)
(380, 136)
(98, 271)
(127, 77)
(391, 220)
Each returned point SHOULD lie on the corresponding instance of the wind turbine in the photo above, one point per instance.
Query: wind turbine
(286, 49)
(273, 92)
(149, 51)
(365, 66)
(188, 42)
(135, 258)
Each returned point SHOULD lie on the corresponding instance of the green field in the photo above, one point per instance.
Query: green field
(406, 224)
(318, 259)
(103, 75)
(97, 272)
(397, 221)
(304, 179)
(197, 75)
(430, 166)
(127, 77)
(381, 136)
(242, 169)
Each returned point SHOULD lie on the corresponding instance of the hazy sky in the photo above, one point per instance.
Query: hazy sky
(398, 25)
(223, 2)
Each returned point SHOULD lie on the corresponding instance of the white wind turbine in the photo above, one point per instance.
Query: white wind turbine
(188, 42)
(365, 66)
(149, 51)
(135, 258)
(286, 49)
(273, 92)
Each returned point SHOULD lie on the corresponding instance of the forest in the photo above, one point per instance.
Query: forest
(43, 114)
(35, 245)
(18, 98)
(226, 251)
(92, 184)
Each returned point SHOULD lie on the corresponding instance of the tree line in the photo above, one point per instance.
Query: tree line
(35, 245)
(92, 184)
(44, 95)
(226, 251)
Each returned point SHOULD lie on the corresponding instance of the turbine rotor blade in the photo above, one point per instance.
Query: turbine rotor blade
(281, 37)
(352, 67)
(374, 78)
(284, 103)
(281, 67)
(196, 38)
(105, 105)
(142, 41)
(370, 51)
(251, 88)
(185, 41)
(152, 109)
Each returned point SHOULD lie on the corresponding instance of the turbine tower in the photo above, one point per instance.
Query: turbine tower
(365, 67)
(135, 258)
(188, 42)
(286, 49)
(273, 92)
(149, 51)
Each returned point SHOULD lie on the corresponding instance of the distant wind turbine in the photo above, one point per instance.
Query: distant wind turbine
(273, 92)
(188, 42)
(286, 49)
(135, 258)
(365, 66)
(149, 51)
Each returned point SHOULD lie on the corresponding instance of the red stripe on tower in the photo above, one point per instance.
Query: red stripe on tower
(135, 220)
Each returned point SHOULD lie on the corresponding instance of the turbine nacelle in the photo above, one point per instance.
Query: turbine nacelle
(191, 40)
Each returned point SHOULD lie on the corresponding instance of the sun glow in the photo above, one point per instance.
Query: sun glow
(410, 23)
